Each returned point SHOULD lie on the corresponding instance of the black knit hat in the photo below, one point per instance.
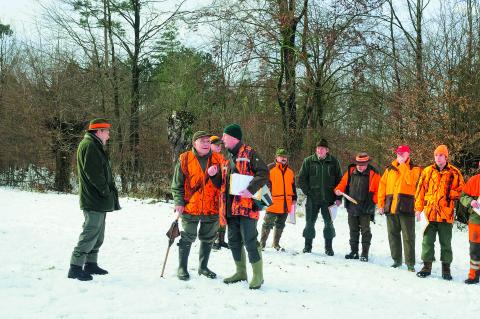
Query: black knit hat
(233, 130)
(323, 143)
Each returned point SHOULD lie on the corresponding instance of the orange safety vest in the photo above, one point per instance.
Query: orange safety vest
(437, 191)
(201, 196)
(240, 206)
(282, 181)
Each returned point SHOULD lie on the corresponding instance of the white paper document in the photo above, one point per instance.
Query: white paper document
(238, 183)
(291, 215)
(333, 211)
(477, 210)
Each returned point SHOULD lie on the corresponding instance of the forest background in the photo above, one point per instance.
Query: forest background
(367, 75)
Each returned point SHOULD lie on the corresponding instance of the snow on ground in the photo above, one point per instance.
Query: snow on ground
(38, 232)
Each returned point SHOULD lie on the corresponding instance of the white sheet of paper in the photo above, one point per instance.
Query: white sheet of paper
(423, 222)
(291, 215)
(333, 211)
(238, 183)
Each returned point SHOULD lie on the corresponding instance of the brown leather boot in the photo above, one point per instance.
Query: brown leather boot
(264, 237)
(446, 271)
(426, 270)
(276, 239)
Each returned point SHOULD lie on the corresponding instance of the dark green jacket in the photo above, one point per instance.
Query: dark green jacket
(96, 187)
(317, 178)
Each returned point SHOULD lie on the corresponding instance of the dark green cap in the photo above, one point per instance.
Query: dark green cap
(233, 130)
(200, 134)
(282, 152)
(98, 124)
(323, 143)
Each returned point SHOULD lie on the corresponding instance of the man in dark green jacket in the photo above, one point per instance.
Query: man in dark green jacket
(98, 195)
(319, 175)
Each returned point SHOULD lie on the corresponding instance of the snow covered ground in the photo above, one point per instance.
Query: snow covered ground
(38, 232)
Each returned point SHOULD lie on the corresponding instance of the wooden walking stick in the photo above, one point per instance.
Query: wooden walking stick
(172, 233)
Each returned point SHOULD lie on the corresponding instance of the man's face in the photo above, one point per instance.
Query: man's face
(202, 145)
(321, 151)
(103, 135)
(402, 157)
(282, 159)
(216, 148)
(440, 160)
(361, 167)
(229, 141)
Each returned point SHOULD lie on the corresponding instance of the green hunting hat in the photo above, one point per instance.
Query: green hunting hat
(233, 130)
(200, 134)
(98, 124)
(282, 152)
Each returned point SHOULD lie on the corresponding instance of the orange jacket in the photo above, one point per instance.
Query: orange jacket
(374, 179)
(282, 187)
(201, 197)
(437, 191)
(396, 191)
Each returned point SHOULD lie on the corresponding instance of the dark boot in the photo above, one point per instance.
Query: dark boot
(183, 252)
(308, 245)
(328, 247)
(76, 272)
(396, 264)
(426, 270)
(446, 271)
(93, 269)
(473, 277)
(241, 270)
(365, 249)
(221, 237)
(204, 254)
(353, 251)
(264, 237)
(277, 234)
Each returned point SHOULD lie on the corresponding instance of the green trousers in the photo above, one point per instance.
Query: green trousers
(242, 231)
(206, 232)
(272, 219)
(311, 211)
(90, 240)
(402, 227)
(444, 231)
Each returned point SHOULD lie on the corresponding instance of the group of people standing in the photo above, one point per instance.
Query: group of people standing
(203, 201)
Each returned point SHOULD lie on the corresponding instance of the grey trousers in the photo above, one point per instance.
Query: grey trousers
(91, 238)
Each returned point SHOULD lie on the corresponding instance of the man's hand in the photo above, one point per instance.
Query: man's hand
(475, 204)
(338, 202)
(212, 170)
(245, 194)
(179, 211)
(418, 215)
(338, 193)
(381, 210)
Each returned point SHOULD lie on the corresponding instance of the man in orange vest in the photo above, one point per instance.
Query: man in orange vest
(240, 211)
(396, 199)
(284, 196)
(360, 182)
(196, 196)
(469, 199)
(439, 187)
(216, 147)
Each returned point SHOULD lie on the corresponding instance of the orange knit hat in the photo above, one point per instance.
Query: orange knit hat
(441, 149)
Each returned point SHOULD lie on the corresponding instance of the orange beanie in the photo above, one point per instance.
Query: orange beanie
(441, 149)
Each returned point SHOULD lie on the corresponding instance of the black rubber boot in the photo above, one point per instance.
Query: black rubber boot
(446, 274)
(93, 269)
(426, 270)
(205, 249)
(76, 272)
(365, 249)
(183, 252)
(308, 245)
(328, 247)
(221, 237)
(353, 251)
